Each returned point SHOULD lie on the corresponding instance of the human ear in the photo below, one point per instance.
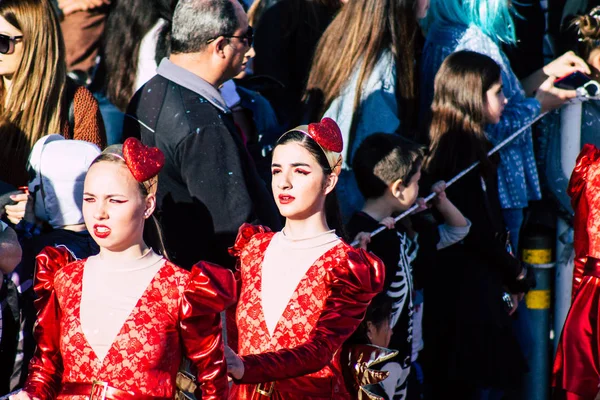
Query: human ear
(370, 330)
(330, 183)
(397, 188)
(219, 46)
(150, 205)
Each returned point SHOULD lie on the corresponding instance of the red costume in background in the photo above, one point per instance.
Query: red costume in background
(577, 364)
(177, 315)
(300, 360)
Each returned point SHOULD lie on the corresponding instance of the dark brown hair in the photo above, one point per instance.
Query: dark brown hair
(383, 158)
(127, 24)
(585, 33)
(457, 128)
(356, 38)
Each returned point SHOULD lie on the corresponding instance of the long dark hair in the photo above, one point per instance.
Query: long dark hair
(457, 128)
(127, 23)
(356, 38)
(153, 235)
(332, 209)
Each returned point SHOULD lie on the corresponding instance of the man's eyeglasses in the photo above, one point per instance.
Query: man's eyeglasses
(7, 43)
(249, 36)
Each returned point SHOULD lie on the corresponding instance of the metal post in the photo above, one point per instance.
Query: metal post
(570, 140)
(537, 247)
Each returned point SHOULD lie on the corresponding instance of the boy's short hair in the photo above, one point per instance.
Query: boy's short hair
(383, 158)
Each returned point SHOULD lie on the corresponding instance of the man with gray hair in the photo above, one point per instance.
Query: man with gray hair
(209, 186)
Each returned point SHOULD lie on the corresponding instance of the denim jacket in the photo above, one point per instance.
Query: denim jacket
(377, 112)
(517, 173)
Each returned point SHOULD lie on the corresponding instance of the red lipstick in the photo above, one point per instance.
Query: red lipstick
(101, 231)
(286, 199)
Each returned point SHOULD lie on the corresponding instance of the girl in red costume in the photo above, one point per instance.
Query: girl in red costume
(303, 290)
(577, 364)
(116, 325)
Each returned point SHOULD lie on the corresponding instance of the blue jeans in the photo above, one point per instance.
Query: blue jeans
(513, 219)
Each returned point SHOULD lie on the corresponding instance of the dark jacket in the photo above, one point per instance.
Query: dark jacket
(209, 186)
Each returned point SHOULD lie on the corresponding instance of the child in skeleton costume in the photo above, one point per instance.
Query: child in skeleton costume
(387, 169)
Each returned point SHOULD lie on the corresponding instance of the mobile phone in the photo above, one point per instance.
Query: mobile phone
(572, 81)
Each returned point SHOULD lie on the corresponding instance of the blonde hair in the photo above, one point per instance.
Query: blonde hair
(34, 104)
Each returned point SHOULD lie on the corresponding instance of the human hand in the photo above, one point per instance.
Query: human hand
(22, 210)
(565, 65)
(439, 188)
(363, 239)
(421, 205)
(72, 6)
(235, 365)
(388, 222)
(516, 298)
(551, 97)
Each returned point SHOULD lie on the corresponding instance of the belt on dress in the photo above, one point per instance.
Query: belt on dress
(98, 390)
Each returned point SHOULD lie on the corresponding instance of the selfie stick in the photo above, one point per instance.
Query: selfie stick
(457, 177)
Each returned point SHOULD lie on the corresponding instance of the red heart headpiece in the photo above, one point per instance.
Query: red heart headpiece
(144, 162)
(328, 136)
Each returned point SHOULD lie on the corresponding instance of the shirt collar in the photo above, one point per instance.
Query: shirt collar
(193, 82)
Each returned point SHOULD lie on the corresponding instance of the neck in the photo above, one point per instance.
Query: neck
(198, 64)
(378, 208)
(75, 228)
(131, 253)
(307, 227)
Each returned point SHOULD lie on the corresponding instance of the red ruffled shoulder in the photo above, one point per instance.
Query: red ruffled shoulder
(589, 155)
(362, 271)
(576, 190)
(211, 288)
(245, 234)
(48, 262)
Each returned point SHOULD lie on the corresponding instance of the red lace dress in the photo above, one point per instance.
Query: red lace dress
(177, 315)
(300, 360)
(577, 364)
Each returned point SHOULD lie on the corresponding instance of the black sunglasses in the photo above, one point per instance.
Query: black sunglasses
(249, 36)
(7, 43)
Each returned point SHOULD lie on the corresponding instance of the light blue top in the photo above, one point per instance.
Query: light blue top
(377, 112)
(378, 108)
(517, 173)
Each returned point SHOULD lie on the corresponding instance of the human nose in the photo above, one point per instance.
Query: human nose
(250, 53)
(100, 211)
(283, 181)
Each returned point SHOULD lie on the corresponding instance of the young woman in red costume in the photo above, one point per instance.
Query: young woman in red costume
(577, 365)
(117, 325)
(303, 290)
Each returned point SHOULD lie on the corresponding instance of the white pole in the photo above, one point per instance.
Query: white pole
(570, 141)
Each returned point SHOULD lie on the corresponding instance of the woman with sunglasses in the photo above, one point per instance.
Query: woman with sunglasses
(35, 98)
(116, 325)
(303, 290)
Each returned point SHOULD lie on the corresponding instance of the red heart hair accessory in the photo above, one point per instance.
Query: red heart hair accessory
(327, 134)
(144, 162)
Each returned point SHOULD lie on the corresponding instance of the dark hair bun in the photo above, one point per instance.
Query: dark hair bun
(589, 24)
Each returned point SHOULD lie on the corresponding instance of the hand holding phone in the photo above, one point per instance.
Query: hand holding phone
(572, 81)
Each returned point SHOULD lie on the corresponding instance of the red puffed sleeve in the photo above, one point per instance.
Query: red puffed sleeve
(210, 291)
(576, 190)
(245, 234)
(45, 368)
(352, 283)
